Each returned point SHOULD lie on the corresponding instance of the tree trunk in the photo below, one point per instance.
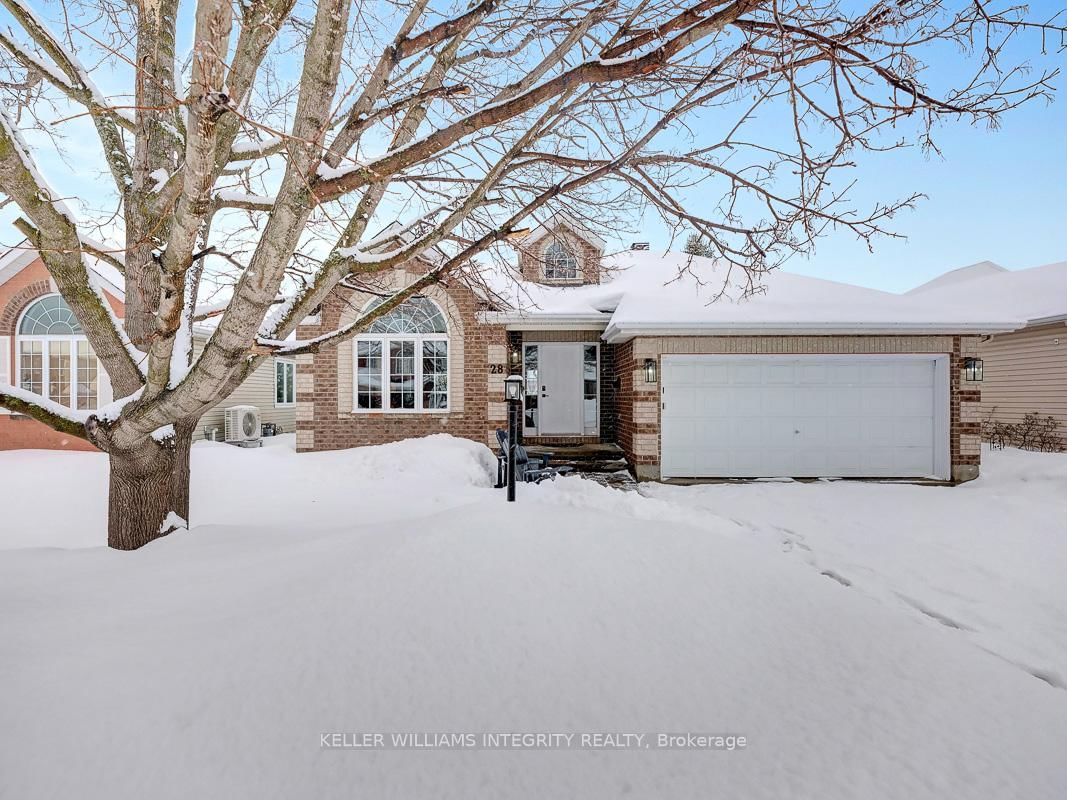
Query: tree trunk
(179, 477)
(149, 490)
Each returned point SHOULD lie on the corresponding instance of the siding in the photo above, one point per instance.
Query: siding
(1026, 371)
(257, 391)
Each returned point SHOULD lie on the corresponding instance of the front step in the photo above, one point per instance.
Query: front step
(604, 463)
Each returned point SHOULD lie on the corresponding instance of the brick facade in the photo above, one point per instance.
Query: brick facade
(17, 431)
(17, 302)
(477, 368)
(532, 257)
(629, 408)
(638, 422)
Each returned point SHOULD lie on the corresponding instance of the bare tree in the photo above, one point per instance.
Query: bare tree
(263, 161)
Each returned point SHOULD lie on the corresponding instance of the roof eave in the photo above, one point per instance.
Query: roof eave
(535, 321)
(626, 331)
(1052, 320)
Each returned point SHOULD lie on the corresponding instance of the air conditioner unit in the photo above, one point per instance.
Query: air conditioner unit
(241, 424)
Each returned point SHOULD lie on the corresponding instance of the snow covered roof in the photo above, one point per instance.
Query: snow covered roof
(23, 254)
(560, 219)
(959, 275)
(650, 293)
(1035, 295)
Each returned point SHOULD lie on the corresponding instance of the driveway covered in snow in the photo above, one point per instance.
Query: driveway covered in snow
(867, 640)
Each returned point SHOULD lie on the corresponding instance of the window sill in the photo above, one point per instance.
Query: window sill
(400, 412)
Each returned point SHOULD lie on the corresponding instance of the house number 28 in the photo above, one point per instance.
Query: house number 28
(496, 369)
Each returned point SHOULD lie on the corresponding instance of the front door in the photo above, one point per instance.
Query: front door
(560, 378)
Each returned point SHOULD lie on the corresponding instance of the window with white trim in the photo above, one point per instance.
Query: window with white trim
(560, 263)
(55, 359)
(402, 360)
(284, 382)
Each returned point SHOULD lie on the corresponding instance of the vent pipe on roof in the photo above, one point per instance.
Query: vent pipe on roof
(639, 246)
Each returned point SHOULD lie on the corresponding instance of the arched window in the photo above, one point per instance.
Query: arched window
(560, 263)
(55, 359)
(402, 359)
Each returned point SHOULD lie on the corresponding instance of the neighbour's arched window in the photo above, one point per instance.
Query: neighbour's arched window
(54, 357)
(402, 359)
(560, 263)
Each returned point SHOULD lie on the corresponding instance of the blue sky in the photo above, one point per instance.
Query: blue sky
(998, 194)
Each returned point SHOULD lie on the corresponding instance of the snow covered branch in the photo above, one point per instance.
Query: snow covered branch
(77, 85)
(42, 409)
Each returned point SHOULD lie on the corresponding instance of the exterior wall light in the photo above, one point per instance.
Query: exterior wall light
(650, 370)
(972, 369)
(513, 387)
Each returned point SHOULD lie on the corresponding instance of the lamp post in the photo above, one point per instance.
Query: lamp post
(513, 393)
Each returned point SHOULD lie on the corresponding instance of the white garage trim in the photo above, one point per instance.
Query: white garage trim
(749, 416)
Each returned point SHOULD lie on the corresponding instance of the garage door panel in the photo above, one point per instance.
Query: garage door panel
(714, 375)
(813, 374)
(746, 402)
(914, 432)
(912, 401)
(917, 373)
(812, 401)
(846, 401)
(747, 433)
(779, 401)
(764, 416)
(779, 374)
(879, 374)
(842, 373)
(879, 401)
(844, 433)
(811, 462)
(842, 461)
(776, 429)
(913, 461)
(746, 374)
(811, 432)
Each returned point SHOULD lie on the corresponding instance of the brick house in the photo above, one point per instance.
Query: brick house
(690, 374)
(43, 350)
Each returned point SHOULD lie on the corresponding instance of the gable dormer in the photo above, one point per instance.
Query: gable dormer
(561, 252)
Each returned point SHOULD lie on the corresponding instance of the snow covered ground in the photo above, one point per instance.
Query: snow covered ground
(390, 590)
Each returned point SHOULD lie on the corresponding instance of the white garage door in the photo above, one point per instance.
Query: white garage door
(804, 416)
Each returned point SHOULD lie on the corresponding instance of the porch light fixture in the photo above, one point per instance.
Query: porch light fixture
(650, 370)
(513, 387)
(972, 369)
(513, 393)
(516, 359)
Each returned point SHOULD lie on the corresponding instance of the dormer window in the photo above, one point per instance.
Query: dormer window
(560, 263)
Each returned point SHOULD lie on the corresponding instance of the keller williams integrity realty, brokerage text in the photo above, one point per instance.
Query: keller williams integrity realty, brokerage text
(531, 741)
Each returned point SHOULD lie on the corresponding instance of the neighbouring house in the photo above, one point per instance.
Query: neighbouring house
(667, 355)
(44, 350)
(1025, 370)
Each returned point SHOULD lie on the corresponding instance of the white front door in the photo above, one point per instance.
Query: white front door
(560, 378)
(805, 416)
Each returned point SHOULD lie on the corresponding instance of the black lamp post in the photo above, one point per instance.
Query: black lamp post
(513, 393)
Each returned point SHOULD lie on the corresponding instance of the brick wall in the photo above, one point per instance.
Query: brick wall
(17, 431)
(324, 390)
(638, 419)
(532, 261)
